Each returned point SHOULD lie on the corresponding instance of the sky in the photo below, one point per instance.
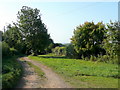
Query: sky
(61, 18)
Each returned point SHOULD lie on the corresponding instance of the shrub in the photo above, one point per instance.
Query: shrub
(70, 51)
(87, 39)
(59, 51)
(5, 49)
(108, 59)
(92, 58)
(11, 72)
(49, 48)
(13, 51)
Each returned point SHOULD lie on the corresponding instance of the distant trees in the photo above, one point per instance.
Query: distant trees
(87, 39)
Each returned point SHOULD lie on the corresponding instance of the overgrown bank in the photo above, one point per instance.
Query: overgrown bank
(11, 72)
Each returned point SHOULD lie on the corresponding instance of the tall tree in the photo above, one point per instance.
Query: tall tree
(33, 29)
(87, 38)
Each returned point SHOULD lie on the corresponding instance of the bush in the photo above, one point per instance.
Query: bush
(87, 39)
(9, 80)
(59, 51)
(49, 48)
(13, 51)
(5, 49)
(108, 59)
(11, 72)
(70, 51)
(92, 58)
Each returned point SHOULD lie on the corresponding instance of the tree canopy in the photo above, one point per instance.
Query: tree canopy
(29, 34)
(87, 38)
(33, 29)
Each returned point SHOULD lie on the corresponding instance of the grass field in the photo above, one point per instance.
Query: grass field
(82, 74)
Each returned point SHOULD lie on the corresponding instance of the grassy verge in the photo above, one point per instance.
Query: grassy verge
(11, 71)
(82, 74)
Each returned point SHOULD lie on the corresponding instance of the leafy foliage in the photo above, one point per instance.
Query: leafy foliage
(33, 30)
(5, 49)
(87, 38)
(111, 43)
(49, 48)
(11, 72)
(70, 51)
(11, 69)
(1, 35)
(13, 37)
(59, 50)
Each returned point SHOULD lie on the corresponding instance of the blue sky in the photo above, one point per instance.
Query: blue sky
(61, 18)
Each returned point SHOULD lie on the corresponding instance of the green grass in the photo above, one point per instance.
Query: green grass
(80, 73)
(37, 70)
(11, 71)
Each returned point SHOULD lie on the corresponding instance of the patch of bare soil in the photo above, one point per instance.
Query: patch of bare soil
(31, 79)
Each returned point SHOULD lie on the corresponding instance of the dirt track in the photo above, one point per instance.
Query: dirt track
(31, 80)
